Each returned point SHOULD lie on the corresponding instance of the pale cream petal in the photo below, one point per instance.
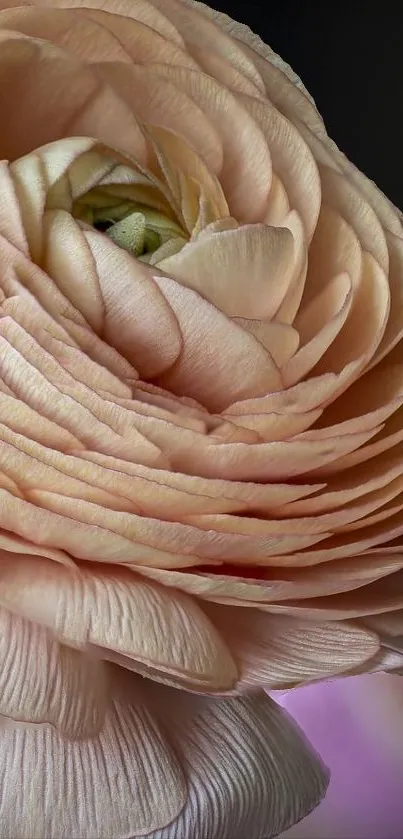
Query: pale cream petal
(282, 85)
(244, 272)
(386, 212)
(122, 484)
(67, 256)
(114, 785)
(50, 336)
(323, 149)
(394, 327)
(42, 680)
(299, 350)
(274, 427)
(280, 339)
(375, 537)
(198, 31)
(225, 73)
(11, 226)
(194, 188)
(307, 395)
(138, 321)
(383, 595)
(141, 42)
(374, 419)
(32, 466)
(362, 333)
(141, 11)
(335, 249)
(318, 326)
(73, 31)
(237, 585)
(220, 362)
(341, 195)
(64, 400)
(356, 515)
(327, 153)
(34, 175)
(279, 653)
(245, 459)
(292, 300)
(343, 488)
(292, 161)
(374, 396)
(278, 204)
(246, 188)
(241, 494)
(249, 769)
(16, 544)
(159, 102)
(191, 544)
(81, 540)
(25, 421)
(389, 436)
(62, 97)
(123, 613)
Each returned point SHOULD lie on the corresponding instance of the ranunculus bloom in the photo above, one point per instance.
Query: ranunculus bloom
(201, 423)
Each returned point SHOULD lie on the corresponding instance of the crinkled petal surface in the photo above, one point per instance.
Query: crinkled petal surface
(201, 423)
(163, 766)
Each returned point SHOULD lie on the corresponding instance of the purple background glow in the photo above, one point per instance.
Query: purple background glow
(356, 725)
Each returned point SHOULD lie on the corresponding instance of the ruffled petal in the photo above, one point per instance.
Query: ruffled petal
(43, 681)
(122, 613)
(279, 653)
(250, 771)
(62, 97)
(114, 784)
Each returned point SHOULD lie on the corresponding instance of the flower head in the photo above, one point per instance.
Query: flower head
(200, 421)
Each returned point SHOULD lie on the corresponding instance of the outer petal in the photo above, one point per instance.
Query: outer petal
(279, 652)
(62, 97)
(250, 773)
(246, 187)
(281, 84)
(42, 680)
(141, 10)
(157, 630)
(73, 31)
(199, 32)
(113, 786)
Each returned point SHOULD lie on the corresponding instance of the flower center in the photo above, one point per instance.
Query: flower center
(136, 228)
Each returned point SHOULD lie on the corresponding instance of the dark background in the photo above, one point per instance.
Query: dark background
(350, 57)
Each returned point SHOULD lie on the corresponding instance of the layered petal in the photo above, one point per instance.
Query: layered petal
(73, 789)
(201, 406)
(114, 784)
(250, 771)
(124, 614)
(280, 653)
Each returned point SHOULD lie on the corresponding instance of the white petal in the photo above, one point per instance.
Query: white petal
(120, 612)
(122, 784)
(42, 680)
(280, 652)
(250, 772)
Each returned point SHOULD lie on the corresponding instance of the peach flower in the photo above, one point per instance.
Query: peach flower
(201, 400)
